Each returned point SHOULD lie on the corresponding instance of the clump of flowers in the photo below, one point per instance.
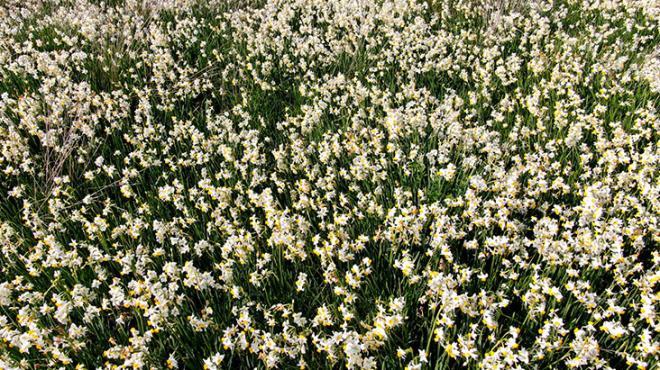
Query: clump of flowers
(323, 184)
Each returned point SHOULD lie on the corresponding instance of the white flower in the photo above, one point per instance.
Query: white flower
(301, 282)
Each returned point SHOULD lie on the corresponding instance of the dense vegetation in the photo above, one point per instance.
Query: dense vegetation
(329, 184)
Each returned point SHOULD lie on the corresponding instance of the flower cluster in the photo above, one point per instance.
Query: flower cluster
(354, 184)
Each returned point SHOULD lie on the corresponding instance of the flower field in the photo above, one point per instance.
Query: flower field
(314, 184)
